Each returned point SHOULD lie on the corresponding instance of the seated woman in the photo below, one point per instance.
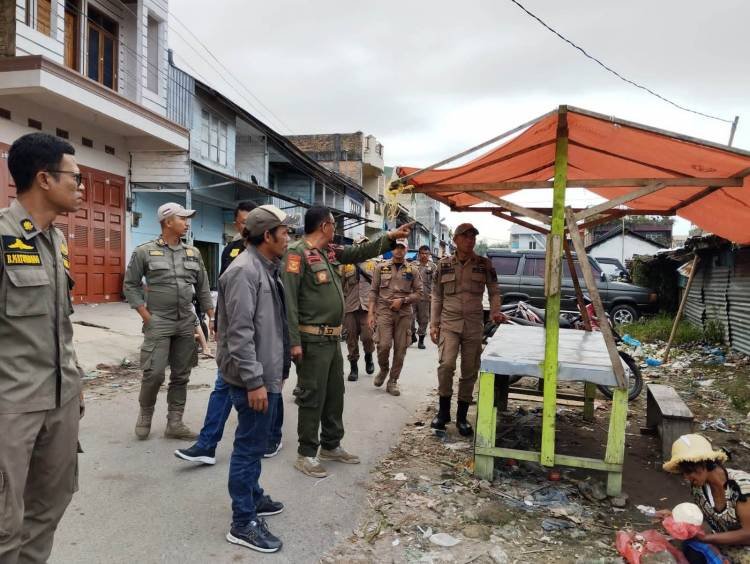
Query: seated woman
(722, 494)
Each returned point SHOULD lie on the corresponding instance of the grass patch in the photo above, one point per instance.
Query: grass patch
(738, 390)
(658, 328)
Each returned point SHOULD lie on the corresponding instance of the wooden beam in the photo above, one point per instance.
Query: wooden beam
(694, 198)
(619, 200)
(686, 182)
(521, 127)
(486, 424)
(577, 286)
(596, 298)
(510, 206)
(552, 291)
(521, 222)
(681, 309)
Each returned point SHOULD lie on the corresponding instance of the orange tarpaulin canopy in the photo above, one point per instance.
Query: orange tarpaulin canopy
(601, 151)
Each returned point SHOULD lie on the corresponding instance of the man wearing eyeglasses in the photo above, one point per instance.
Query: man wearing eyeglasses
(40, 386)
(315, 308)
(174, 271)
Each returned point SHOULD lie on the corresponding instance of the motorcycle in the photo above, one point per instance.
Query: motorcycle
(522, 313)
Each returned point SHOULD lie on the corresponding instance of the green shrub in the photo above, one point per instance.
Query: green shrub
(658, 328)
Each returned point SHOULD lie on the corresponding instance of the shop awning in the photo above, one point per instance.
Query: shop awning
(649, 170)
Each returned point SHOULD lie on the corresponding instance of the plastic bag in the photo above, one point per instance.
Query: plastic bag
(632, 546)
(680, 531)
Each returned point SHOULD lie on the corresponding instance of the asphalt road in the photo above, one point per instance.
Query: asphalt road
(138, 503)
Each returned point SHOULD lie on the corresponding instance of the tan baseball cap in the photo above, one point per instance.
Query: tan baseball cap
(403, 242)
(171, 208)
(465, 228)
(266, 218)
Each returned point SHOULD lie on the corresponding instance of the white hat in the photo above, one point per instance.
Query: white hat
(171, 208)
(692, 448)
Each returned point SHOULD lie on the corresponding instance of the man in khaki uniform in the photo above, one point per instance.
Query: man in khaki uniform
(40, 386)
(457, 322)
(173, 271)
(395, 286)
(426, 269)
(356, 283)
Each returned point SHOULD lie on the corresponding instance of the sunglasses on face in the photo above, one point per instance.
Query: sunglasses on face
(77, 176)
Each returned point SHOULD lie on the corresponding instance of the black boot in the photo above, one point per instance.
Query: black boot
(421, 342)
(354, 372)
(369, 364)
(443, 415)
(463, 426)
(413, 338)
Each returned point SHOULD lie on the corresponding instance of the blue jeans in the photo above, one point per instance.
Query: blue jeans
(217, 413)
(250, 443)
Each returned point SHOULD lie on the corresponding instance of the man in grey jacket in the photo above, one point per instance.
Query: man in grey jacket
(254, 359)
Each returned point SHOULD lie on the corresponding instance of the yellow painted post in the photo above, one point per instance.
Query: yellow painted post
(616, 439)
(589, 393)
(486, 420)
(552, 290)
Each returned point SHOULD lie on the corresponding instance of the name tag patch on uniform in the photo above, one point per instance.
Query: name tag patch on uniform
(293, 263)
(156, 253)
(234, 252)
(19, 252)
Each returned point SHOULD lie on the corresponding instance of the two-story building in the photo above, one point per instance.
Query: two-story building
(525, 238)
(93, 72)
(358, 157)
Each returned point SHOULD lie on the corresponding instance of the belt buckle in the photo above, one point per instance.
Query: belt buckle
(327, 331)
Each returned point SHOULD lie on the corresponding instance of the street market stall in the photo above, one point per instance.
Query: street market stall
(639, 170)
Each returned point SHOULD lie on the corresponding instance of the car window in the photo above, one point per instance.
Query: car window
(505, 265)
(533, 267)
(566, 269)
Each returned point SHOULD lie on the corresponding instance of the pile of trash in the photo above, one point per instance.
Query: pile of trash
(425, 505)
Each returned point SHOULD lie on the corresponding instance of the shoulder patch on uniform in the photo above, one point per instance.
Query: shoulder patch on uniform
(156, 253)
(234, 252)
(161, 242)
(20, 253)
(311, 257)
(189, 252)
(293, 263)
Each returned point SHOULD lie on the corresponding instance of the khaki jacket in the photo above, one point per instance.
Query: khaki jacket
(38, 365)
(356, 286)
(391, 282)
(457, 293)
(426, 273)
(172, 275)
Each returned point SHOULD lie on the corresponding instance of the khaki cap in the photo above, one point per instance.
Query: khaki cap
(403, 242)
(692, 448)
(171, 208)
(266, 218)
(465, 228)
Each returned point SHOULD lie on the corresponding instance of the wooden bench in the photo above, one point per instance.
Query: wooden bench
(668, 414)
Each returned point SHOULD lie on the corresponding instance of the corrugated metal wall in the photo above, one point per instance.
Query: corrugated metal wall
(739, 302)
(721, 292)
(181, 89)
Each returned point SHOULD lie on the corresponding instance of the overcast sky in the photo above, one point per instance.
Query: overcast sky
(431, 78)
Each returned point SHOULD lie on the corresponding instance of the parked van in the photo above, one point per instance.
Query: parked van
(520, 275)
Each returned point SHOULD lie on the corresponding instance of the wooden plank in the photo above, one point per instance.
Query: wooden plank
(560, 459)
(596, 298)
(521, 222)
(615, 453)
(486, 421)
(681, 309)
(669, 402)
(577, 286)
(513, 185)
(692, 199)
(552, 305)
(510, 206)
(614, 202)
(500, 137)
(535, 399)
(589, 393)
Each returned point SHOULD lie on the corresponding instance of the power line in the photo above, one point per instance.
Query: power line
(613, 71)
(237, 80)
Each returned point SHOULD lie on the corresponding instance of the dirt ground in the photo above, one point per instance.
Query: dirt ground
(425, 505)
